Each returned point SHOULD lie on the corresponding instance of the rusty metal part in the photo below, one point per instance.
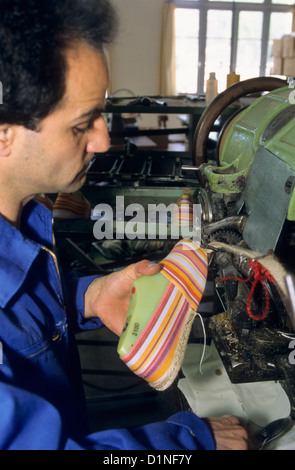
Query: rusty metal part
(233, 222)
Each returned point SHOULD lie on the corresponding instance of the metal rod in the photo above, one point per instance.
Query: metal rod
(190, 168)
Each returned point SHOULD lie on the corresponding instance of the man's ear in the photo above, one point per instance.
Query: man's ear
(6, 135)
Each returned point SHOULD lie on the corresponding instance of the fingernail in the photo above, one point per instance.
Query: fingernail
(152, 264)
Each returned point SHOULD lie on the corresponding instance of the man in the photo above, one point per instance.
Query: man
(54, 77)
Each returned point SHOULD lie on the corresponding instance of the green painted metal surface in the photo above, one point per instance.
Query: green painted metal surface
(269, 122)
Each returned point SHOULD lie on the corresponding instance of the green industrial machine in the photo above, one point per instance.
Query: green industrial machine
(248, 203)
(255, 170)
(269, 124)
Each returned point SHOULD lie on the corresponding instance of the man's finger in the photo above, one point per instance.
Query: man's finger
(145, 267)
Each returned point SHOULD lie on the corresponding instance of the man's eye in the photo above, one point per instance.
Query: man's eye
(81, 130)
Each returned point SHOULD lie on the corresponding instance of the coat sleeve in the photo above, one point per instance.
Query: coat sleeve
(75, 286)
(29, 422)
(182, 431)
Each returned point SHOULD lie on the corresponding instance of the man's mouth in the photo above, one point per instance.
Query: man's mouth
(87, 165)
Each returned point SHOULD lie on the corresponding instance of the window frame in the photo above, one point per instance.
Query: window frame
(266, 7)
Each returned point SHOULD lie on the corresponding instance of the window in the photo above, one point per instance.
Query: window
(226, 36)
(187, 48)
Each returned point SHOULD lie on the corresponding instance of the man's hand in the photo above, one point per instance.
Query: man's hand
(228, 433)
(108, 297)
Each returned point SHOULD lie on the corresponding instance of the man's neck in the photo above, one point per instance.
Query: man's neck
(11, 211)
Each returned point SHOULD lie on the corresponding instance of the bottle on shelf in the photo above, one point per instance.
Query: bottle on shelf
(212, 88)
(232, 78)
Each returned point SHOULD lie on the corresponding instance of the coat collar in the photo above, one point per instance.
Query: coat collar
(18, 249)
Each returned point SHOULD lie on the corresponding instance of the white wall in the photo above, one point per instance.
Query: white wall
(135, 54)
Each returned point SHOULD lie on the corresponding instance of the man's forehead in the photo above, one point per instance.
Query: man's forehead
(84, 63)
(87, 80)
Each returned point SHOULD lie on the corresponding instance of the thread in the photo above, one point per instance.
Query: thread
(204, 344)
(269, 261)
(260, 274)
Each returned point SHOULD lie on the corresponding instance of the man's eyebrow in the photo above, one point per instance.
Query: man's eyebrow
(92, 113)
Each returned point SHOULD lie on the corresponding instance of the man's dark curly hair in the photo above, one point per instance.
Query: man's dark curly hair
(34, 35)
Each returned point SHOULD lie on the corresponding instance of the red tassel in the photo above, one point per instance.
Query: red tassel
(260, 274)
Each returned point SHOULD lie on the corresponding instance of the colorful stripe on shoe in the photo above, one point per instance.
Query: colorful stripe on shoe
(71, 206)
(157, 354)
(184, 211)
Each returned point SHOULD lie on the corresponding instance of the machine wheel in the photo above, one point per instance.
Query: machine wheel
(224, 99)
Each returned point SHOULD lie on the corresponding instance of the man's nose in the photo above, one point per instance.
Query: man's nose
(99, 140)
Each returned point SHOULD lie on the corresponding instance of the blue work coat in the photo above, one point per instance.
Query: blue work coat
(41, 395)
